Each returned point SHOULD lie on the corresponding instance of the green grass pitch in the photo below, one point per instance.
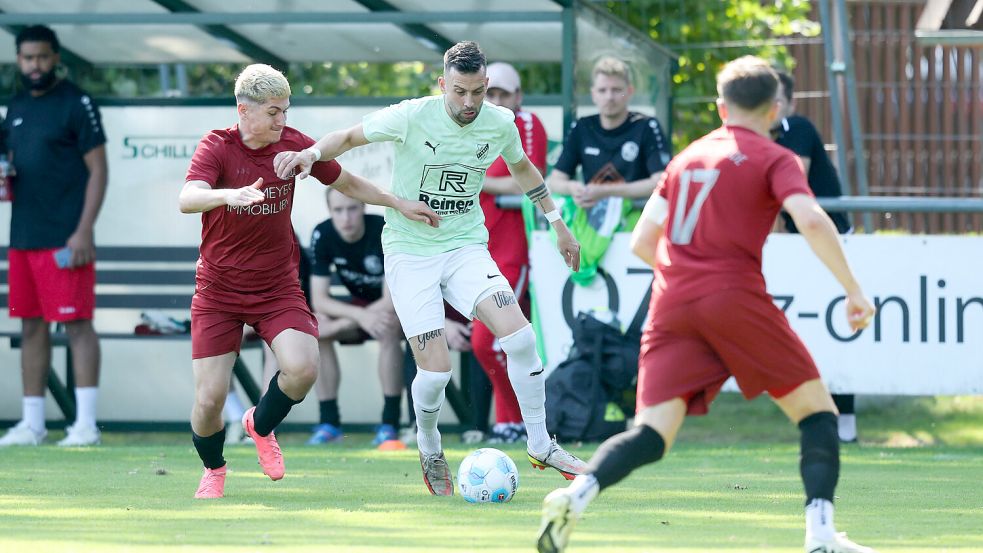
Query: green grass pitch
(731, 484)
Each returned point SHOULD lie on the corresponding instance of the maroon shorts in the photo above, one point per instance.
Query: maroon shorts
(38, 288)
(217, 316)
(689, 350)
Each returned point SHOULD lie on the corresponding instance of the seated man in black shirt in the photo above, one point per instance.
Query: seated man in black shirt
(351, 242)
(798, 134)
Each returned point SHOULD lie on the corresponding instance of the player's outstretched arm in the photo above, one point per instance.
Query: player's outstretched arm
(648, 231)
(356, 187)
(329, 147)
(817, 228)
(198, 196)
(531, 182)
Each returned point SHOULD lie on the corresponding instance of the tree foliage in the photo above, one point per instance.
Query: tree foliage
(327, 79)
(706, 34)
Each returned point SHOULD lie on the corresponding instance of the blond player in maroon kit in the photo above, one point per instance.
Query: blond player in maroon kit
(247, 272)
(711, 317)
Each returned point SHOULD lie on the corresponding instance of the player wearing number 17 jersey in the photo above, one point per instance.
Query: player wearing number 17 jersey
(711, 318)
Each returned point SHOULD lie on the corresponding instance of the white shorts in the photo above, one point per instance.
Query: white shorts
(420, 284)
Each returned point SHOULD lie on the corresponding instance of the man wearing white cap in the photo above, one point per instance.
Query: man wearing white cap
(507, 245)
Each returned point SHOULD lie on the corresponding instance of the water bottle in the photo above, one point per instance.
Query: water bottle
(6, 182)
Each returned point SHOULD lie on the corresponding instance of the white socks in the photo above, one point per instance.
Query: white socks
(819, 520)
(428, 396)
(846, 427)
(526, 375)
(233, 410)
(85, 409)
(583, 490)
(33, 410)
(85, 406)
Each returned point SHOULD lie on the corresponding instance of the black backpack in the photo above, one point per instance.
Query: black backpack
(588, 394)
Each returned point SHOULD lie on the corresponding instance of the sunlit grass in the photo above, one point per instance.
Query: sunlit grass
(731, 484)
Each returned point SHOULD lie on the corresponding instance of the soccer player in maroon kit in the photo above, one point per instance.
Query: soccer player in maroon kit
(247, 272)
(711, 317)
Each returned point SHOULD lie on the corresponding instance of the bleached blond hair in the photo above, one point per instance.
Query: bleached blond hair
(259, 83)
(612, 67)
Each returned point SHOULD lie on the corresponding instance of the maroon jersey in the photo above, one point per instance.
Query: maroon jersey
(724, 192)
(250, 249)
(506, 228)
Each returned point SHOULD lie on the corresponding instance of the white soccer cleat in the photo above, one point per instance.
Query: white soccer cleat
(79, 436)
(837, 544)
(22, 434)
(566, 463)
(557, 522)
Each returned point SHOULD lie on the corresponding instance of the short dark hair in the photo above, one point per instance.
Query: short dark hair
(38, 33)
(465, 56)
(748, 83)
(788, 83)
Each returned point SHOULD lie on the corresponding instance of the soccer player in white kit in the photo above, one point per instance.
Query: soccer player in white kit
(443, 145)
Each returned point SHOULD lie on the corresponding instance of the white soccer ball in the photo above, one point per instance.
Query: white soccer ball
(487, 476)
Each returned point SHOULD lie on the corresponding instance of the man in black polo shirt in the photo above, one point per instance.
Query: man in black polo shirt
(622, 154)
(57, 147)
(798, 134)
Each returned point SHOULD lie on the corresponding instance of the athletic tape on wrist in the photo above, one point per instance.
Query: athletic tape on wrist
(316, 151)
(552, 216)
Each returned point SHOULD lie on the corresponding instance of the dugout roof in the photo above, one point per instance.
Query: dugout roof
(951, 22)
(150, 32)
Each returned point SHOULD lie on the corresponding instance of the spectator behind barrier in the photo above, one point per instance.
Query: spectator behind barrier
(622, 154)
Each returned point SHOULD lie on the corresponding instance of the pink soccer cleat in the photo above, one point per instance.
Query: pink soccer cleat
(267, 449)
(212, 484)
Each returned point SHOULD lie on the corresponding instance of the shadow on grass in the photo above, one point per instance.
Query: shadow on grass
(701, 498)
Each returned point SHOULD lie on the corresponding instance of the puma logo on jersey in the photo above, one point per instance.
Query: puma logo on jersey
(431, 146)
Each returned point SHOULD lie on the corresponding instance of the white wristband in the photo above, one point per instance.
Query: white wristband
(316, 151)
(552, 216)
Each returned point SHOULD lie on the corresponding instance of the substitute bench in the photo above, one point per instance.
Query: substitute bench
(142, 278)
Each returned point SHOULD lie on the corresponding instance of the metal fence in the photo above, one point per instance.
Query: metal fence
(921, 113)
(921, 108)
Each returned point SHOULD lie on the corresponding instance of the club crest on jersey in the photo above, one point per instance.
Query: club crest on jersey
(481, 150)
(629, 151)
(373, 264)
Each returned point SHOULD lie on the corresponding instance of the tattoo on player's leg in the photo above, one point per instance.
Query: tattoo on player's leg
(504, 298)
(422, 339)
